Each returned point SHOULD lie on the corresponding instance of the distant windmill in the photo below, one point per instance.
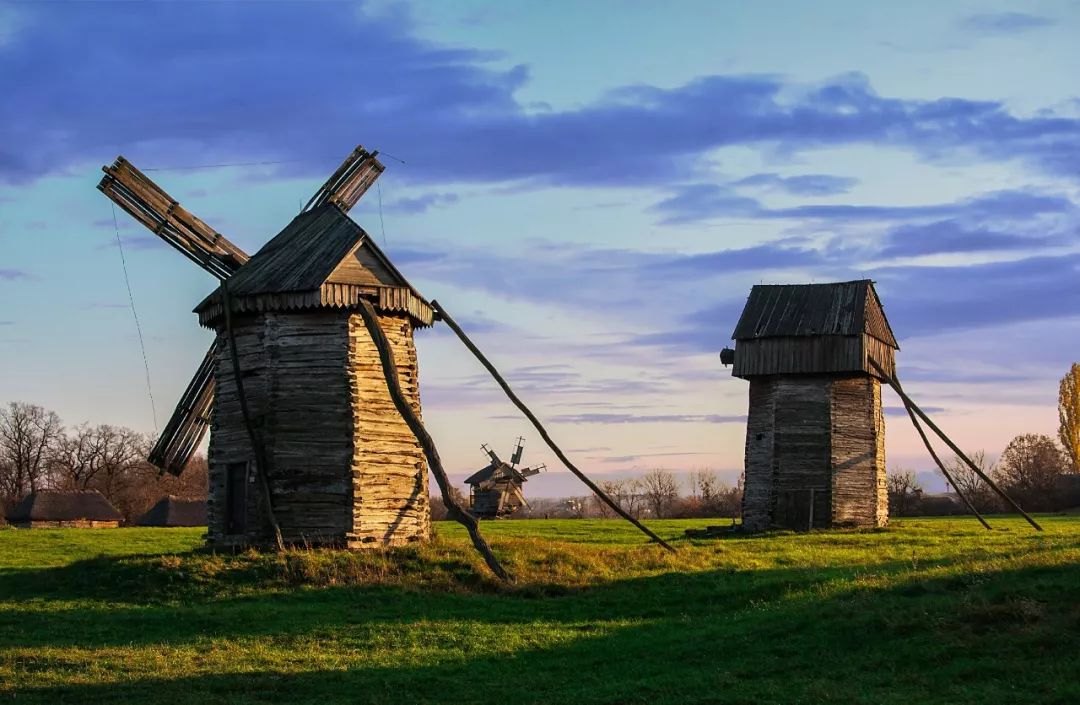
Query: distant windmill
(496, 488)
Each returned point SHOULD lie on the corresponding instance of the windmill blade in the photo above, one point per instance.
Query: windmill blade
(351, 181)
(189, 421)
(148, 203)
(529, 472)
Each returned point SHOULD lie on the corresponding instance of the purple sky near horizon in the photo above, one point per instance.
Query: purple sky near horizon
(593, 210)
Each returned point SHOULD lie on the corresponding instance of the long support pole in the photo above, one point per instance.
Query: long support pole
(941, 465)
(911, 405)
(367, 312)
(443, 315)
(256, 443)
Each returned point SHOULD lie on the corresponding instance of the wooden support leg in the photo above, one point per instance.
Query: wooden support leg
(948, 441)
(941, 465)
(367, 312)
(444, 316)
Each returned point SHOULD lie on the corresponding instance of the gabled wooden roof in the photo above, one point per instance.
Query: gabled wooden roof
(321, 258)
(64, 505)
(792, 310)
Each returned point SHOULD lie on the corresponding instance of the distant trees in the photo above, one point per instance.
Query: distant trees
(1069, 416)
(1029, 469)
(37, 452)
(661, 490)
(904, 491)
(28, 435)
(970, 484)
(438, 506)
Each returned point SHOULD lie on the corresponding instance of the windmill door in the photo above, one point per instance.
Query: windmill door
(236, 485)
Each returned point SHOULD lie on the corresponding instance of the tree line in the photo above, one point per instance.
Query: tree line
(38, 452)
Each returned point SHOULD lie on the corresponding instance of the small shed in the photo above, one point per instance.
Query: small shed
(175, 511)
(65, 508)
(815, 437)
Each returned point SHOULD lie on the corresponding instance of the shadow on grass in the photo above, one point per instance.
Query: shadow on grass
(786, 636)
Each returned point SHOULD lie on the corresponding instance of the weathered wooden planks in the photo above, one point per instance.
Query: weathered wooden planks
(343, 466)
(815, 453)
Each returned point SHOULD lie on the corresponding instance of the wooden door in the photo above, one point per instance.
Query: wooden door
(236, 484)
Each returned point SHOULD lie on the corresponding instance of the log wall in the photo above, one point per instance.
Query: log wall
(389, 473)
(815, 453)
(343, 466)
(860, 497)
(758, 480)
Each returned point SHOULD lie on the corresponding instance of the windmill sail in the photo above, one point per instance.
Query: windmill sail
(189, 421)
(351, 181)
(148, 203)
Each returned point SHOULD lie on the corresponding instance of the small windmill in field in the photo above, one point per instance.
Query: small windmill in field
(496, 488)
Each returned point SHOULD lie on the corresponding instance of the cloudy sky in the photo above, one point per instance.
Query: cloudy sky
(590, 188)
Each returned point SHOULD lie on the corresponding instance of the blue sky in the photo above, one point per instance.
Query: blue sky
(592, 188)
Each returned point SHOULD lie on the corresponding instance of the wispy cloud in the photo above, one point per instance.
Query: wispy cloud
(419, 204)
(801, 185)
(1004, 23)
(11, 274)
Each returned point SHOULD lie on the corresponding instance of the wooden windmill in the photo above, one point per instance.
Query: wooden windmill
(815, 432)
(294, 376)
(497, 487)
(815, 356)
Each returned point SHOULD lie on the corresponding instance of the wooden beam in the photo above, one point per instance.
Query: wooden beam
(934, 455)
(948, 441)
(390, 374)
(351, 181)
(189, 421)
(441, 314)
(148, 203)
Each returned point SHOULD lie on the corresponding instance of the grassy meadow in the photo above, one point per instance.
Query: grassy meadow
(926, 611)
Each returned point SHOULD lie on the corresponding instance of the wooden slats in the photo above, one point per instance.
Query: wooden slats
(189, 421)
(351, 180)
(148, 203)
(791, 310)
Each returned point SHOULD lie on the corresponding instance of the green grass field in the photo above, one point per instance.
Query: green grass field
(927, 611)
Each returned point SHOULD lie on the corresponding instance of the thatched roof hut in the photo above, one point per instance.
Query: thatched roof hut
(175, 511)
(65, 508)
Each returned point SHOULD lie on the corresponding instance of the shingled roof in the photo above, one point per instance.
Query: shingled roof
(175, 511)
(324, 252)
(787, 310)
(64, 505)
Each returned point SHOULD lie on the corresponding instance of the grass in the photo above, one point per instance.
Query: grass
(930, 610)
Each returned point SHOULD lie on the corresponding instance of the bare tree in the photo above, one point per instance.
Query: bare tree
(661, 489)
(1069, 415)
(904, 489)
(438, 507)
(612, 488)
(970, 484)
(28, 435)
(77, 457)
(1029, 468)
